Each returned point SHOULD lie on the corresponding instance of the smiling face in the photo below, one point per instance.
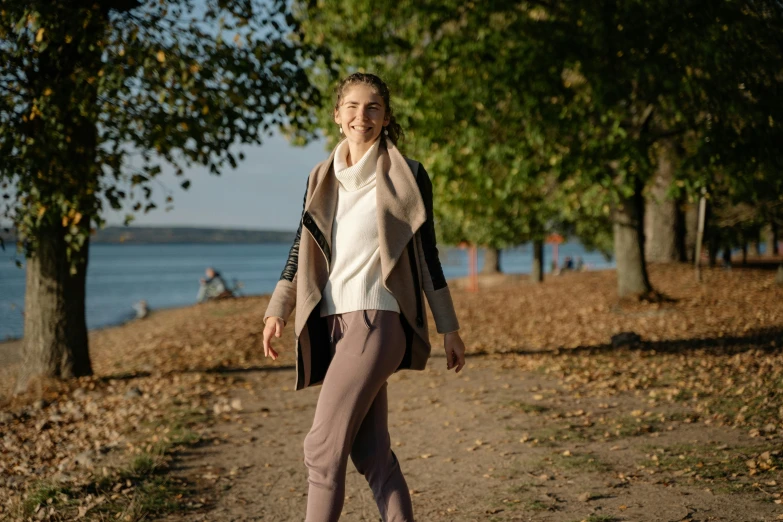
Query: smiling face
(362, 114)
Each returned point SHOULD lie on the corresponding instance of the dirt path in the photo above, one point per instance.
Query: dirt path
(494, 443)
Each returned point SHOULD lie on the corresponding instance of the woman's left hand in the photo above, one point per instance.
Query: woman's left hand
(455, 351)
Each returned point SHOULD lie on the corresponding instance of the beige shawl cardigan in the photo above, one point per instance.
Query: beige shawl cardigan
(401, 213)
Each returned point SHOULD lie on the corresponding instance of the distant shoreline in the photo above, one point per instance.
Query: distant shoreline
(117, 324)
(458, 282)
(120, 235)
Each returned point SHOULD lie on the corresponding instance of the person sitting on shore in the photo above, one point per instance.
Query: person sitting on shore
(213, 287)
(142, 310)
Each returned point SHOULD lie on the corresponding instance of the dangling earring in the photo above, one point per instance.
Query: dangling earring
(341, 129)
(386, 131)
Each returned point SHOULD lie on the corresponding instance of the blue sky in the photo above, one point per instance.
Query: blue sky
(264, 192)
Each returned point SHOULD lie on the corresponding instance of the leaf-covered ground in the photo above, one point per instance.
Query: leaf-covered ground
(549, 421)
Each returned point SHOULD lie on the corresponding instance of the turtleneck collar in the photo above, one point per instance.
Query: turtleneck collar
(361, 172)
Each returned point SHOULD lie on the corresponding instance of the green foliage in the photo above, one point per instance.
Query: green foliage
(491, 171)
(143, 464)
(96, 97)
(540, 115)
(43, 492)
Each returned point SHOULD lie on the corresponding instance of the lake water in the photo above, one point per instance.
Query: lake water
(168, 275)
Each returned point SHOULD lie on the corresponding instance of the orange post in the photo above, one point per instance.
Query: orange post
(472, 252)
(554, 240)
(473, 269)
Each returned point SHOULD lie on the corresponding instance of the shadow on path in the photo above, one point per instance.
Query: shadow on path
(126, 376)
(767, 339)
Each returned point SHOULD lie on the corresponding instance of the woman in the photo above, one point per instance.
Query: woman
(355, 277)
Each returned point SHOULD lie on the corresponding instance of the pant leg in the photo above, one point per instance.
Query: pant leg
(369, 349)
(373, 457)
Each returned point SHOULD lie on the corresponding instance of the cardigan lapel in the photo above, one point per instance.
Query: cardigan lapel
(399, 204)
(400, 208)
(323, 203)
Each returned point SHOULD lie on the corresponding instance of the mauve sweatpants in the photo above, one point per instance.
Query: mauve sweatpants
(351, 418)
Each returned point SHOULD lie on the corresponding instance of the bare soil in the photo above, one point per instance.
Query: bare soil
(492, 443)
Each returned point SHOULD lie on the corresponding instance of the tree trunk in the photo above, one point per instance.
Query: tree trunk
(755, 242)
(664, 225)
(711, 233)
(712, 252)
(691, 217)
(628, 220)
(701, 218)
(775, 238)
(727, 256)
(766, 233)
(771, 238)
(55, 329)
(537, 272)
(744, 253)
(491, 261)
(55, 340)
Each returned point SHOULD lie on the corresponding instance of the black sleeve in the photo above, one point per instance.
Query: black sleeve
(428, 231)
(292, 264)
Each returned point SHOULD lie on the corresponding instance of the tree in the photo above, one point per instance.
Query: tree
(490, 169)
(664, 224)
(537, 272)
(655, 103)
(734, 157)
(645, 82)
(580, 96)
(491, 261)
(771, 237)
(95, 97)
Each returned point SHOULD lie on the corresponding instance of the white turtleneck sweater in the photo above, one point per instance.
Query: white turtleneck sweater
(355, 274)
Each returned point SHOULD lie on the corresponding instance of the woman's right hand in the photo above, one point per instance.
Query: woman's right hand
(272, 327)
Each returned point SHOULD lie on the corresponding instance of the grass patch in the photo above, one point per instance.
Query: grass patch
(581, 462)
(554, 435)
(596, 496)
(180, 427)
(153, 497)
(538, 505)
(527, 407)
(683, 395)
(44, 493)
(621, 427)
(629, 426)
(747, 408)
(681, 416)
(520, 488)
(175, 431)
(551, 436)
(599, 518)
(725, 467)
(159, 495)
(142, 465)
(635, 426)
(135, 490)
(730, 406)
